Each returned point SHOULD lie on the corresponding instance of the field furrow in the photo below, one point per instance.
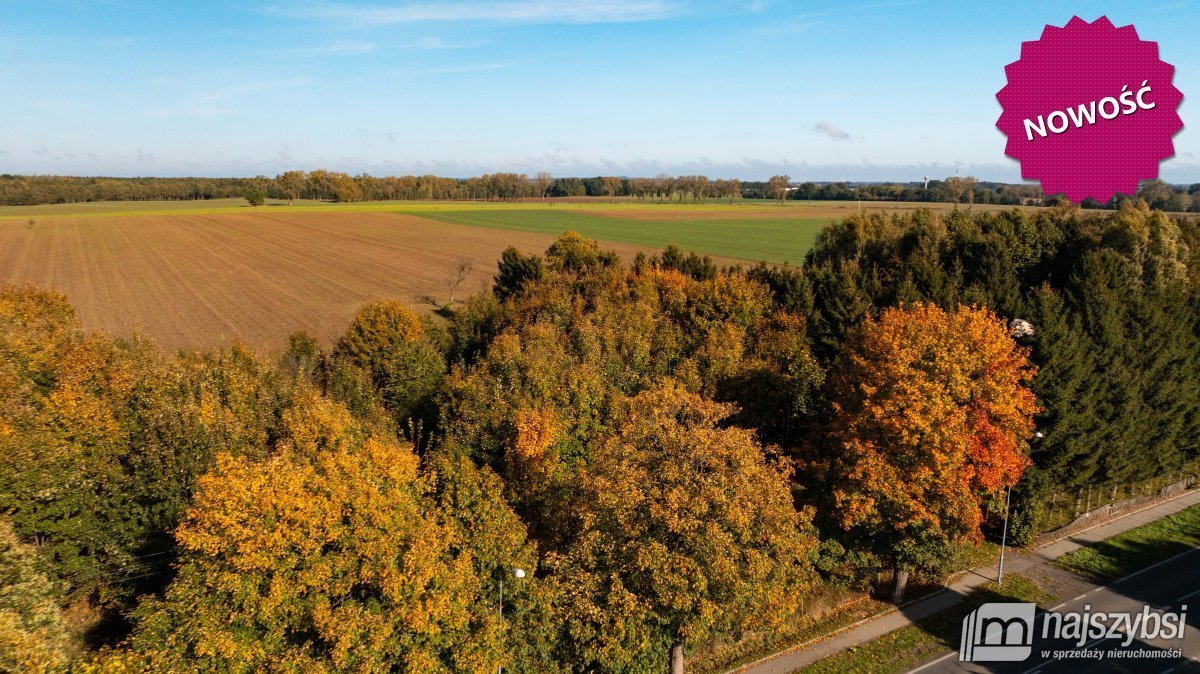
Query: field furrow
(198, 280)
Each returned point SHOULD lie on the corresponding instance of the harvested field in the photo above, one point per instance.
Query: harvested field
(201, 280)
(195, 274)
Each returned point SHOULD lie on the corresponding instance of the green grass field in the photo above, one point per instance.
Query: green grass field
(746, 230)
(1136, 548)
(776, 239)
(901, 650)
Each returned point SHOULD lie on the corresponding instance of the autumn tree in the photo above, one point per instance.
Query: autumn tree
(35, 326)
(342, 187)
(303, 356)
(932, 413)
(729, 189)
(778, 187)
(336, 553)
(611, 186)
(543, 182)
(316, 184)
(554, 385)
(399, 352)
(528, 410)
(589, 332)
(956, 187)
(32, 636)
(378, 329)
(471, 501)
(65, 420)
(684, 529)
(121, 433)
(1154, 245)
(572, 251)
(291, 184)
(969, 185)
(664, 185)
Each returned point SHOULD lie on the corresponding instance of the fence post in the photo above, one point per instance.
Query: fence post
(1078, 501)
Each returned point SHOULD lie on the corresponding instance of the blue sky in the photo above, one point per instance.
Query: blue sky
(824, 91)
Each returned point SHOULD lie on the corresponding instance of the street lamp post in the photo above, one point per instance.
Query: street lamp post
(516, 573)
(1004, 534)
(1003, 538)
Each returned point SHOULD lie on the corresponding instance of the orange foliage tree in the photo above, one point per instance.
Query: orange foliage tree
(932, 414)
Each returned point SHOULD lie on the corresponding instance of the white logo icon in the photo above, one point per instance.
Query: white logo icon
(998, 633)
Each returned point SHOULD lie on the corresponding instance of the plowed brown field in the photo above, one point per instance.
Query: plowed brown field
(196, 281)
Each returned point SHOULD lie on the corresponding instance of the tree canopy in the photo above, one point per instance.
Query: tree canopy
(932, 415)
(674, 452)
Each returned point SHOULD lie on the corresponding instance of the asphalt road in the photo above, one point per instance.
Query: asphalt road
(1166, 586)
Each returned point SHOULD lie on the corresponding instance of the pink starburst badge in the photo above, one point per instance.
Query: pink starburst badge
(1089, 110)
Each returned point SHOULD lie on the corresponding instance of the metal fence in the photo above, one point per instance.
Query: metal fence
(1093, 505)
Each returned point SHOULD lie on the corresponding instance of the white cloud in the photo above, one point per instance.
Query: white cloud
(827, 129)
(517, 11)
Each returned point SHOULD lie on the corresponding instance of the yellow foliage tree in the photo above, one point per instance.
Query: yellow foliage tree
(392, 344)
(378, 329)
(34, 325)
(684, 528)
(332, 555)
(32, 636)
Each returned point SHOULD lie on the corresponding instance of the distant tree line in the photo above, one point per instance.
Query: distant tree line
(343, 187)
(1158, 194)
(29, 190)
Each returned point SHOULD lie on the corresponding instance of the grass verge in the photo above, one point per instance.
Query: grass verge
(725, 655)
(1137, 548)
(906, 647)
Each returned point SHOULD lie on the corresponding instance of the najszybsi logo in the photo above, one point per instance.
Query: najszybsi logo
(998, 633)
(1004, 632)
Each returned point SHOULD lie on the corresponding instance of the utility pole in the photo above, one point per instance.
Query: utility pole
(517, 573)
(1004, 533)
